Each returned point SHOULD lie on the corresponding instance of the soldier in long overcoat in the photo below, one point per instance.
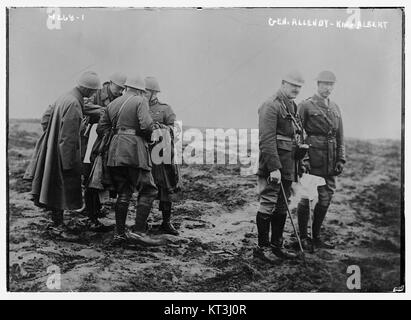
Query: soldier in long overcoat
(55, 169)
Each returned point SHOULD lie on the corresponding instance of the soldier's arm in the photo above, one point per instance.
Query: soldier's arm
(144, 118)
(170, 118)
(69, 137)
(340, 139)
(93, 111)
(267, 124)
(104, 124)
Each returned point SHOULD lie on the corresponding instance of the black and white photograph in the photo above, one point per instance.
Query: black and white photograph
(191, 149)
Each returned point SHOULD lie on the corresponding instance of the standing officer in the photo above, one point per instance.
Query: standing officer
(111, 90)
(323, 124)
(55, 169)
(278, 125)
(129, 159)
(165, 174)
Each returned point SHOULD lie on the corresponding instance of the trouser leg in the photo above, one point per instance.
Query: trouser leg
(147, 192)
(325, 194)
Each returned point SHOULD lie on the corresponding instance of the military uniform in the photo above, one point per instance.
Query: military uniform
(277, 151)
(166, 174)
(55, 169)
(322, 121)
(128, 155)
(99, 101)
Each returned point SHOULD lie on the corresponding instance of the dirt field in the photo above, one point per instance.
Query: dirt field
(216, 220)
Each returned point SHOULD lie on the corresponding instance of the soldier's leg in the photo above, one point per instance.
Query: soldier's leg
(147, 193)
(325, 194)
(124, 191)
(268, 198)
(268, 194)
(166, 226)
(278, 221)
(58, 229)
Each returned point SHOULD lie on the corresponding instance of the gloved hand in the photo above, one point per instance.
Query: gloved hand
(339, 167)
(275, 177)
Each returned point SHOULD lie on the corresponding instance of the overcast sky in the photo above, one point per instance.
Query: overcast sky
(215, 66)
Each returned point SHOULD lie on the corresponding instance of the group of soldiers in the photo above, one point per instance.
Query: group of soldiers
(286, 133)
(128, 120)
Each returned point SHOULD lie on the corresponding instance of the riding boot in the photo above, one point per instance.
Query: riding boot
(319, 215)
(166, 225)
(263, 250)
(121, 209)
(139, 229)
(277, 227)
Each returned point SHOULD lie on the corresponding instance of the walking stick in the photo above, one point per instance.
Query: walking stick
(292, 223)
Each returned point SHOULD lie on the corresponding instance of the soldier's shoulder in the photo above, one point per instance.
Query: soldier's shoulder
(272, 100)
(165, 106)
(270, 103)
(69, 98)
(306, 102)
(334, 105)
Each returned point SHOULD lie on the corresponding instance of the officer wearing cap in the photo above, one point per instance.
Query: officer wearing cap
(55, 169)
(98, 103)
(278, 126)
(165, 172)
(129, 160)
(323, 124)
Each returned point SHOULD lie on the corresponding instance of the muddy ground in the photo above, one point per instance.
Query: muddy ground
(216, 220)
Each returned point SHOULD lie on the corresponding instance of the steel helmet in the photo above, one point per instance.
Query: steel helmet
(89, 79)
(118, 78)
(326, 76)
(136, 82)
(152, 84)
(294, 77)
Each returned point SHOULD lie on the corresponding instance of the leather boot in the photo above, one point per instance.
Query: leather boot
(138, 236)
(58, 230)
(93, 210)
(263, 250)
(303, 214)
(263, 229)
(166, 226)
(319, 215)
(121, 209)
(277, 228)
